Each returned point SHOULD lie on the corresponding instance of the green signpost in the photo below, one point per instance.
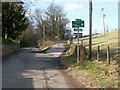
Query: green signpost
(76, 24)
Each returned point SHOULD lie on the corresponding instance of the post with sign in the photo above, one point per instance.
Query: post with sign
(78, 52)
(76, 24)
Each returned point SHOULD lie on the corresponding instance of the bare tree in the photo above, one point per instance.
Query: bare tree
(50, 23)
(57, 20)
(39, 21)
(29, 38)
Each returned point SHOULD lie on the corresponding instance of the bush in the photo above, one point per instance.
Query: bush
(23, 42)
(7, 41)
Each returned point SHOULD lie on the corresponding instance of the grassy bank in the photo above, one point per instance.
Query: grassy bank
(109, 39)
(93, 73)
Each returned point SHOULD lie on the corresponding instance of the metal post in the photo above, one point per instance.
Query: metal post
(78, 53)
(103, 20)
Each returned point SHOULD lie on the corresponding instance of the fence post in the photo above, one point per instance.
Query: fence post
(98, 53)
(108, 55)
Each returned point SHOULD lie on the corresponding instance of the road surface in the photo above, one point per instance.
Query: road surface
(29, 68)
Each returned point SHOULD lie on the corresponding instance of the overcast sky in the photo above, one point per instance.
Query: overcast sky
(79, 9)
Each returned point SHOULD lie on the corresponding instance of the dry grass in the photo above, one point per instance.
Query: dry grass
(96, 73)
(45, 46)
(109, 39)
(71, 50)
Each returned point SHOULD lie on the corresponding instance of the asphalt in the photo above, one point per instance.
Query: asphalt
(30, 68)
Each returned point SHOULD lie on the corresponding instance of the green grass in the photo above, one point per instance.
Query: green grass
(92, 67)
(92, 72)
(89, 70)
(69, 60)
(99, 74)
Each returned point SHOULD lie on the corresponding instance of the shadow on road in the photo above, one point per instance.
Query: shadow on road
(27, 69)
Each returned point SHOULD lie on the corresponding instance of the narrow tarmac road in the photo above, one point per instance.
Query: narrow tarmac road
(29, 68)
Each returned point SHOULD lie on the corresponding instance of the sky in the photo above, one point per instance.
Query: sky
(79, 9)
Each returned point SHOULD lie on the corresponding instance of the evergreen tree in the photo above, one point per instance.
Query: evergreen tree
(13, 20)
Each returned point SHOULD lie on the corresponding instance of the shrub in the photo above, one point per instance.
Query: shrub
(7, 41)
(23, 42)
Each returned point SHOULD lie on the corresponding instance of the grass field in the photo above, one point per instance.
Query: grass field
(109, 39)
(94, 73)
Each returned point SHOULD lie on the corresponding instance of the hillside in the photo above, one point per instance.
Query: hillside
(93, 73)
(109, 39)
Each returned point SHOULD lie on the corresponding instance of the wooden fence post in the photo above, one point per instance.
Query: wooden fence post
(108, 55)
(98, 53)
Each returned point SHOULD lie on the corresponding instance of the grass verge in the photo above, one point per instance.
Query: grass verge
(92, 73)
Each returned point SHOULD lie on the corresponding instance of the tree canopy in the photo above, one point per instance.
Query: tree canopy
(50, 23)
(13, 20)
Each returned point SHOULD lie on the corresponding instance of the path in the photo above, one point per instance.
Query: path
(29, 68)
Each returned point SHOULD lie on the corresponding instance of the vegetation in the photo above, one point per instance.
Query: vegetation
(94, 73)
(44, 25)
(109, 39)
(28, 37)
(70, 55)
(45, 46)
(13, 20)
(51, 23)
(71, 50)
(6, 41)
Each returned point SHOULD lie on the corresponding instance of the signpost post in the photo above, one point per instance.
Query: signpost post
(76, 24)
(78, 48)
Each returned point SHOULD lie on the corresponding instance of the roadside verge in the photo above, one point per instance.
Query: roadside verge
(92, 74)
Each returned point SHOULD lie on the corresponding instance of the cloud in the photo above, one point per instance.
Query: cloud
(72, 6)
